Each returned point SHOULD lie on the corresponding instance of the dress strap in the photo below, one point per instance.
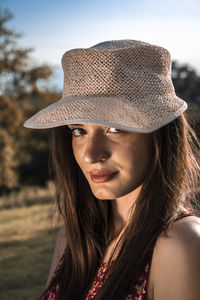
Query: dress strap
(184, 214)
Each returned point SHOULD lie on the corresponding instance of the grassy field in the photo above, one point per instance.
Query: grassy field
(27, 237)
(28, 226)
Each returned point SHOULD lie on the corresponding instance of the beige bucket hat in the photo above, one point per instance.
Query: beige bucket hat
(124, 84)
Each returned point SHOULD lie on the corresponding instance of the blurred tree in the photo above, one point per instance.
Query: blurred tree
(9, 118)
(187, 86)
(23, 153)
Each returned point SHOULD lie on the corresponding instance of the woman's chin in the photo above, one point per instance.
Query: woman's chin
(108, 194)
(113, 193)
(104, 195)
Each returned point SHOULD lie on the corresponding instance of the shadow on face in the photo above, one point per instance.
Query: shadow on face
(110, 150)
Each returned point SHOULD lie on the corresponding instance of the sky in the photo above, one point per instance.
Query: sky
(53, 27)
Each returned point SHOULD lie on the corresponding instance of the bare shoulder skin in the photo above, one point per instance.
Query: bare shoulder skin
(175, 268)
(58, 251)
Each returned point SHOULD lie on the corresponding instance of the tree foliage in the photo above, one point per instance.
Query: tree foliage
(23, 152)
(187, 85)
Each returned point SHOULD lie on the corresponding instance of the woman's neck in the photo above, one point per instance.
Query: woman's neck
(121, 212)
(122, 207)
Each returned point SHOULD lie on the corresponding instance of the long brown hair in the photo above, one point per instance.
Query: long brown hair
(169, 187)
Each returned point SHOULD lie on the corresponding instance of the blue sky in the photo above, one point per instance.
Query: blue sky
(53, 27)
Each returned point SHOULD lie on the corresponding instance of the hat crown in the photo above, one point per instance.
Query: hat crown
(120, 83)
(118, 44)
(118, 67)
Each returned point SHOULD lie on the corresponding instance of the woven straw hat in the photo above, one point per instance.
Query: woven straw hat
(124, 84)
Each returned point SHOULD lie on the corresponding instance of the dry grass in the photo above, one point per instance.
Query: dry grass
(27, 237)
(28, 195)
(27, 240)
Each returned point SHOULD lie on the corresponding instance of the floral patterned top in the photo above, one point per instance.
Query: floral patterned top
(140, 289)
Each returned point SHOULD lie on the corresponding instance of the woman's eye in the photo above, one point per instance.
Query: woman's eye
(114, 130)
(77, 131)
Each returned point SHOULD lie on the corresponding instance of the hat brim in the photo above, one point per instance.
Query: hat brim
(145, 116)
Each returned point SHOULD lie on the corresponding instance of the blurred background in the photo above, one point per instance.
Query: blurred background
(33, 37)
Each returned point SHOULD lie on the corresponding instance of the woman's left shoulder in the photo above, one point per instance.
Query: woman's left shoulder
(175, 268)
(182, 237)
(182, 231)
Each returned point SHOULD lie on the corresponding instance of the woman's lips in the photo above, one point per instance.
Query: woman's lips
(104, 178)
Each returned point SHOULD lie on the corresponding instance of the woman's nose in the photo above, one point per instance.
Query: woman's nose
(96, 149)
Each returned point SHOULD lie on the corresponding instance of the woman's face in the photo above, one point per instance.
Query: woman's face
(127, 155)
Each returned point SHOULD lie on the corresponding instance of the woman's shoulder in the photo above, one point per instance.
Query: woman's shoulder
(181, 234)
(61, 232)
(60, 246)
(185, 224)
(175, 268)
(61, 242)
(180, 237)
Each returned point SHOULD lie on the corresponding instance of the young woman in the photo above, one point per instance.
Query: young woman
(126, 168)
